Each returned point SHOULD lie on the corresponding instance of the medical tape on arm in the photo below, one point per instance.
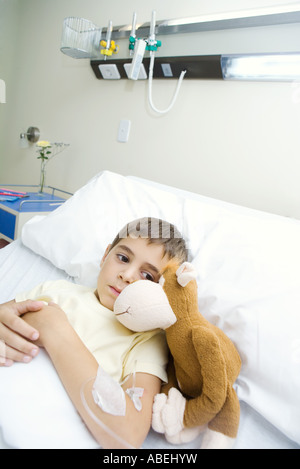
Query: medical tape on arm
(101, 424)
(108, 394)
(110, 397)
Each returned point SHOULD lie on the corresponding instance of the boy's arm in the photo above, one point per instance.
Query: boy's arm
(16, 334)
(76, 366)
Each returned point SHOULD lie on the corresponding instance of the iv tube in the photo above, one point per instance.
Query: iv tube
(152, 58)
(151, 41)
(98, 421)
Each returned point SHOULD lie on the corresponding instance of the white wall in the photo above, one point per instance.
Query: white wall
(235, 141)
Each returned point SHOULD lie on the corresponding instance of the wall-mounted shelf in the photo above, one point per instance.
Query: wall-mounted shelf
(205, 67)
(254, 67)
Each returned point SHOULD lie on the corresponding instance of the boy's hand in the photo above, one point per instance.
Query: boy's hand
(16, 334)
(48, 321)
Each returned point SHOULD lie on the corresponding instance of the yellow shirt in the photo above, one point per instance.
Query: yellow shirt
(118, 350)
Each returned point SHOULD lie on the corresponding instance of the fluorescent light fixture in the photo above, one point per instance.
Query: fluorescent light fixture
(261, 67)
(257, 13)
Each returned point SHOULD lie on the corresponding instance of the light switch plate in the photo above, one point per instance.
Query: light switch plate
(124, 129)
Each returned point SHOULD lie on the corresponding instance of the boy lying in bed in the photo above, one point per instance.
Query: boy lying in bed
(79, 331)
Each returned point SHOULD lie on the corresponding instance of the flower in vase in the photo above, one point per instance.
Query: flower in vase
(46, 151)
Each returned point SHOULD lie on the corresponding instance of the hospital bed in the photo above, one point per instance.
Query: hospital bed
(248, 265)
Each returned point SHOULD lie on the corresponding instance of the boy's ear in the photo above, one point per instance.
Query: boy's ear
(105, 254)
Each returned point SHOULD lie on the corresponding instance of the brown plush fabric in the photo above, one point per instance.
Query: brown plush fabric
(205, 360)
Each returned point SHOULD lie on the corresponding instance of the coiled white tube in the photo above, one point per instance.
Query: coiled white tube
(150, 82)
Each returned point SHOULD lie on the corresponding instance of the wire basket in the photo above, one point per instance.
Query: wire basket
(80, 38)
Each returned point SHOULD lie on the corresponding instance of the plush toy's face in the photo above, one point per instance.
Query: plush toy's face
(143, 306)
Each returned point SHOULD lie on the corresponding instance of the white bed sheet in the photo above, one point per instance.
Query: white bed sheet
(21, 269)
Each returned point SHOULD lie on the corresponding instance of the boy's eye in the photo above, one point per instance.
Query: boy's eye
(148, 276)
(122, 257)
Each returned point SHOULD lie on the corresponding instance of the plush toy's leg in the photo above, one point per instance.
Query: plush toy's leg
(167, 418)
(216, 440)
(186, 435)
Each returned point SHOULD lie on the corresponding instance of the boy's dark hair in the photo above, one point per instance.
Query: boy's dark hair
(157, 231)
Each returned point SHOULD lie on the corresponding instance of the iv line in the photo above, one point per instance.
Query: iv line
(152, 57)
(139, 49)
(98, 421)
(151, 41)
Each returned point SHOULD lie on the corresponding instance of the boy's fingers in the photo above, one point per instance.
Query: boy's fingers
(16, 334)
(18, 325)
(28, 306)
(10, 355)
(15, 343)
(6, 363)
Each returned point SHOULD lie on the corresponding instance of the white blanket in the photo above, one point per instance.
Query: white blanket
(248, 267)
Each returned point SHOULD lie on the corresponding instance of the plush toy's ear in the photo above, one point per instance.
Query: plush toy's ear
(186, 273)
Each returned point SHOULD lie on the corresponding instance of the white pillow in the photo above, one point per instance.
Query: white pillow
(248, 267)
(74, 237)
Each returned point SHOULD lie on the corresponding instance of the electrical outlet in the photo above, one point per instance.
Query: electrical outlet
(167, 71)
(124, 129)
(109, 71)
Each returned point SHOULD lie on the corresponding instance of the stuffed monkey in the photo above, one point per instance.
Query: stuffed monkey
(204, 364)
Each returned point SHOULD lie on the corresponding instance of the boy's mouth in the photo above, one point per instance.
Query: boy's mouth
(115, 291)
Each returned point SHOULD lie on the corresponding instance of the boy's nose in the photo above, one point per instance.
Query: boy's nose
(128, 275)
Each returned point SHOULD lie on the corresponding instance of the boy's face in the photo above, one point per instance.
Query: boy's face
(130, 260)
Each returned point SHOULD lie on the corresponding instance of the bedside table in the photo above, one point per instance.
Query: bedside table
(13, 215)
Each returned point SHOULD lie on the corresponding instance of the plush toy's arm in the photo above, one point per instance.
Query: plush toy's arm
(202, 409)
(174, 413)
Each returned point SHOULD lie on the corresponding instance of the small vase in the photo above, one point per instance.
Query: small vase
(42, 176)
